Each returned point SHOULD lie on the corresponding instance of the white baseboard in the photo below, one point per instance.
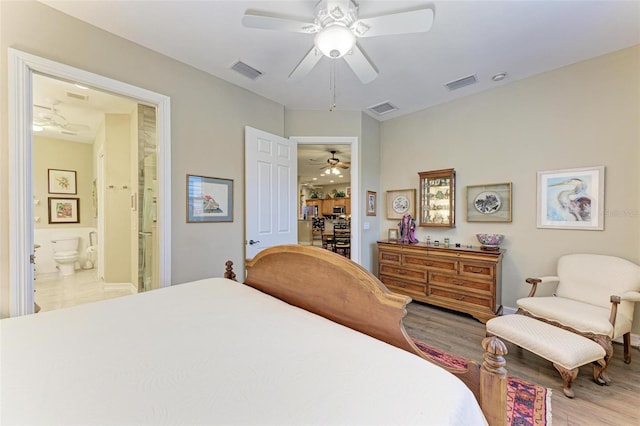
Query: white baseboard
(635, 338)
(120, 286)
(508, 310)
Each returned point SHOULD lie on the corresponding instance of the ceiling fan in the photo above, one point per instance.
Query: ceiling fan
(336, 26)
(49, 117)
(334, 164)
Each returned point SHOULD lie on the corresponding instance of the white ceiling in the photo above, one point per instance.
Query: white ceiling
(78, 120)
(521, 38)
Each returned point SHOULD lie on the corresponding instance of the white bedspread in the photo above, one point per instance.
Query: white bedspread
(213, 352)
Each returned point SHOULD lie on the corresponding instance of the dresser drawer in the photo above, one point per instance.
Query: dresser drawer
(390, 257)
(404, 273)
(404, 287)
(477, 269)
(431, 262)
(460, 296)
(456, 283)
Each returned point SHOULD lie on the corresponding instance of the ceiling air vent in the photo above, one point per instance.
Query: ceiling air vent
(246, 70)
(77, 96)
(383, 108)
(465, 81)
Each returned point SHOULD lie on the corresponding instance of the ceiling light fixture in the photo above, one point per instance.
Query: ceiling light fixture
(499, 77)
(335, 40)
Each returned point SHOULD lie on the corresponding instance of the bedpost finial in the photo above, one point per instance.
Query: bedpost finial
(228, 273)
(493, 359)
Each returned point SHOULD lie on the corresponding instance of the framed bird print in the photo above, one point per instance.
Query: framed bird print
(571, 199)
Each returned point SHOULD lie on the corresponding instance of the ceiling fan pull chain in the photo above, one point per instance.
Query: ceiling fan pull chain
(332, 85)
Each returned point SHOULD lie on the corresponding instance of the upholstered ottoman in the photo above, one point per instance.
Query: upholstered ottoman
(566, 350)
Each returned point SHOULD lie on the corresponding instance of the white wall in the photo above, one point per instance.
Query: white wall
(117, 221)
(51, 153)
(581, 115)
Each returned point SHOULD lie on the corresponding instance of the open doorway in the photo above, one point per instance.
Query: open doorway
(22, 70)
(95, 152)
(333, 162)
(324, 182)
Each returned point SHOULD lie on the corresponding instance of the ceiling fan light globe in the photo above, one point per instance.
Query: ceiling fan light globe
(335, 40)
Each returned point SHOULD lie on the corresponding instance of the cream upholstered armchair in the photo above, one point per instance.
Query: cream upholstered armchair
(594, 296)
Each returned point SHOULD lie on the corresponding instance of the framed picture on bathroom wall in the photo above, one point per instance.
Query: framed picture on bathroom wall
(64, 210)
(62, 181)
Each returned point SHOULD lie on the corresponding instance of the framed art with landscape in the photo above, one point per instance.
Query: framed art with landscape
(571, 199)
(209, 199)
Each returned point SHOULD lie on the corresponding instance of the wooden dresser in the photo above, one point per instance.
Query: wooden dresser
(463, 279)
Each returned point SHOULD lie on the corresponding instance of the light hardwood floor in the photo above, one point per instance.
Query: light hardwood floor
(616, 405)
(55, 292)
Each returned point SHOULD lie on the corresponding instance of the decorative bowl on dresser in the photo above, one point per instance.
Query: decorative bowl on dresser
(463, 279)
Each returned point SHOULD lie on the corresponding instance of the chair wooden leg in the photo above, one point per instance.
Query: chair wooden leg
(598, 367)
(605, 342)
(568, 376)
(627, 347)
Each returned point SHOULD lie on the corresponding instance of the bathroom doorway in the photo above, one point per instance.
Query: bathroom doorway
(24, 67)
(107, 144)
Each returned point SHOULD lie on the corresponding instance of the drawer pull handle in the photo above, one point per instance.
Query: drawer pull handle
(428, 263)
(456, 282)
(475, 269)
(460, 298)
(402, 272)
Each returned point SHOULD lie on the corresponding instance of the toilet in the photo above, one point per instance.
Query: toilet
(65, 253)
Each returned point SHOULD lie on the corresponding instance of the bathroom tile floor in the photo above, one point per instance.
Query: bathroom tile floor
(55, 292)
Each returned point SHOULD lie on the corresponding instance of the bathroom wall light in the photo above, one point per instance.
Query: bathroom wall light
(37, 128)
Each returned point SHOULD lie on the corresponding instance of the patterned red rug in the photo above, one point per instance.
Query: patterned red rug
(527, 403)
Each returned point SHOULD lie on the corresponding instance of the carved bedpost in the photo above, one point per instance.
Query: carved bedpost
(228, 273)
(493, 382)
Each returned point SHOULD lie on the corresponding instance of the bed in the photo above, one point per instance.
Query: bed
(311, 338)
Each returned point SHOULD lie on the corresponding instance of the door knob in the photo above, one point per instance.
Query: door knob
(252, 242)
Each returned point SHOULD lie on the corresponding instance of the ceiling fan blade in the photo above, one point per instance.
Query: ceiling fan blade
(415, 21)
(361, 65)
(266, 21)
(76, 127)
(306, 65)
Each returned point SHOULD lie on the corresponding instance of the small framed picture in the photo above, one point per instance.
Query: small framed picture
(393, 234)
(209, 199)
(571, 199)
(64, 210)
(372, 203)
(62, 182)
(489, 202)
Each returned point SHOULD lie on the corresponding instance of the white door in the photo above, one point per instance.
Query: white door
(271, 175)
